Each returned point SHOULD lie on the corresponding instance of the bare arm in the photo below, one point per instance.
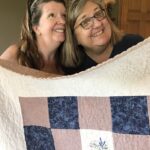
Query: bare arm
(10, 54)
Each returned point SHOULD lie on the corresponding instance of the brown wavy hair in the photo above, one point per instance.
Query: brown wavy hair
(28, 54)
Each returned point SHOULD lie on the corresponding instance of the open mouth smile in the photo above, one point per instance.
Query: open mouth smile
(60, 30)
(98, 33)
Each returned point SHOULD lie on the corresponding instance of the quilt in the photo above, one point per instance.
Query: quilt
(106, 107)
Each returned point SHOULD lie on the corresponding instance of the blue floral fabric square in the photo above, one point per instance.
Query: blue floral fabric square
(63, 112)
(130, 115)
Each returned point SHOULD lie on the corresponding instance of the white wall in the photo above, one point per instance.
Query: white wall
(11, 14)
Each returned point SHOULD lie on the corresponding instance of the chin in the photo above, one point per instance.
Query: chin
(61, 40)
(102, 41)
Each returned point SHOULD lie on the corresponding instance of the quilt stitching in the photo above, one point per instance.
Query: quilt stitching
(129, 116)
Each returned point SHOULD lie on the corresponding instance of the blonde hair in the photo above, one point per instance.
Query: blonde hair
(71, 46)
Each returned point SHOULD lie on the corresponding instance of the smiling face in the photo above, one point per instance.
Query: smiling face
(51, 26)
(98, 35)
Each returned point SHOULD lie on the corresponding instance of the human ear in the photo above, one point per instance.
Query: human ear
(36, 30)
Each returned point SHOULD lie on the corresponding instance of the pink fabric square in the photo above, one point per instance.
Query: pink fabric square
(35, 111)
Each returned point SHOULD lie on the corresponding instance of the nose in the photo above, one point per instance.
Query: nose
(96, 22)
(61, 19)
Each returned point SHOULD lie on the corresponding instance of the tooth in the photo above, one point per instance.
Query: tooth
(98, 33)
(60, 30)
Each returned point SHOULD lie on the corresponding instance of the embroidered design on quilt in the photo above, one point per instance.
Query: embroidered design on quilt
(84, 123)
(98, 145)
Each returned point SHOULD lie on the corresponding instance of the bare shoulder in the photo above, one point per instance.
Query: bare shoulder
(10, 53)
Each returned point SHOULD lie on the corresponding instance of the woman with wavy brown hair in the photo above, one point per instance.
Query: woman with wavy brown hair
(42, 37)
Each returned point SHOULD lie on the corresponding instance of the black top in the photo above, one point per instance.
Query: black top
(127, 41)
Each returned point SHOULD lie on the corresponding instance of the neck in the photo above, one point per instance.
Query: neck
(100, 55)
(48, 52)
(52, 67)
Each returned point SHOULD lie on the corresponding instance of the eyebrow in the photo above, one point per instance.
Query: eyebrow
(84, 16)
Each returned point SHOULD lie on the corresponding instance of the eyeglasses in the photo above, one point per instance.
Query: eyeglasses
(89, 22)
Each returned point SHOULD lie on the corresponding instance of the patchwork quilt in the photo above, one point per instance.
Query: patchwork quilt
(88, 123)
(106, 107)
